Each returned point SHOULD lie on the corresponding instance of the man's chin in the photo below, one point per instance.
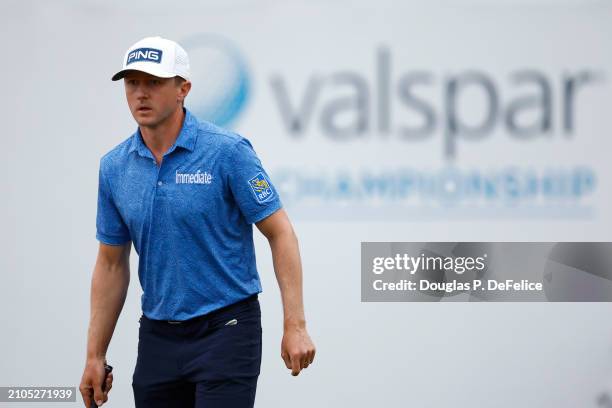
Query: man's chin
(145, 121)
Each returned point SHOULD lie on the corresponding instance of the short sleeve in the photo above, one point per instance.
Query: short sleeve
(250, 184)
(110, 227)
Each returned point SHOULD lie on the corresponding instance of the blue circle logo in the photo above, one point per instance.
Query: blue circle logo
(220, 79)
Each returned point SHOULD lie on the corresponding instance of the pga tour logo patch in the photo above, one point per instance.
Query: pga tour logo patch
(144, 54)
(261, 187)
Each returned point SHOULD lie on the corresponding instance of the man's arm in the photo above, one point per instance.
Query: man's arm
(109, 285)
(297, 349)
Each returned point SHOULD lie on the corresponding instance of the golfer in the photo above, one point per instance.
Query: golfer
(185, 193)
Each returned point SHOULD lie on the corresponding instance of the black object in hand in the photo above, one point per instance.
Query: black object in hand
(107, 370)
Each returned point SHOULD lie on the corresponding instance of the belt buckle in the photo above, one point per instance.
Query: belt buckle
(174, 321)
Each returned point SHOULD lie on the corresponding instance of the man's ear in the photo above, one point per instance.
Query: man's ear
(184, 90)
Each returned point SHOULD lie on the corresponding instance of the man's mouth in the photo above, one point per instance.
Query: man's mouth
(144, 109)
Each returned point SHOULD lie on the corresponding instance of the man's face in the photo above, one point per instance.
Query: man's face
(152, 99)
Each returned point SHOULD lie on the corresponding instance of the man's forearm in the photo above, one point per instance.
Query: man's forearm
(108, 292)
(288, 270)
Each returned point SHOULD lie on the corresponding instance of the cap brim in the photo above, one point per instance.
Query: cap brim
(148, 69)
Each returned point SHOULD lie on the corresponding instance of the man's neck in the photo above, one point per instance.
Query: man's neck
(161, 137)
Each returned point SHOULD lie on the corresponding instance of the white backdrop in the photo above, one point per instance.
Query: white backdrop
(358, 79)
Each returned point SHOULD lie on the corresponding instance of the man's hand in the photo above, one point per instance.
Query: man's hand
(91, 383)
(109, 285)
(297, 350)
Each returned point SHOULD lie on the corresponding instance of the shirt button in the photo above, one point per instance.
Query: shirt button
(159, 183)
(153, 161)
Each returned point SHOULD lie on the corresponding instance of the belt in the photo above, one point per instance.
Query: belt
(251, 298)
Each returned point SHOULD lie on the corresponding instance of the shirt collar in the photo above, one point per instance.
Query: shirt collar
(186, 138)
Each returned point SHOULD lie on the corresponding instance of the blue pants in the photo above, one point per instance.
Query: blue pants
(210, 361)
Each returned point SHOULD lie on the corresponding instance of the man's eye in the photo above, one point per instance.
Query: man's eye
(155, 82)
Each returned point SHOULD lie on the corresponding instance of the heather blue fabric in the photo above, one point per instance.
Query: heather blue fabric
(190, 219)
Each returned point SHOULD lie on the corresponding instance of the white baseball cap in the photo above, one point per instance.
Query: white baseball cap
(156, 56)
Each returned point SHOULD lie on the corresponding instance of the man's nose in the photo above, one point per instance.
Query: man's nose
(142, 92)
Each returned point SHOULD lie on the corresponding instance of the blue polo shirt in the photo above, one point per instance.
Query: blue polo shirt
(190, 219)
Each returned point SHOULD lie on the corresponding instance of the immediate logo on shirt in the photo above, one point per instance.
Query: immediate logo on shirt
(261, 187)
(199, 177)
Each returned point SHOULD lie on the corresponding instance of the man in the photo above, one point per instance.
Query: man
(186, 193)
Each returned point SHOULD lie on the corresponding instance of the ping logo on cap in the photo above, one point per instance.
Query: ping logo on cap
(144, 54)
(261, 187)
